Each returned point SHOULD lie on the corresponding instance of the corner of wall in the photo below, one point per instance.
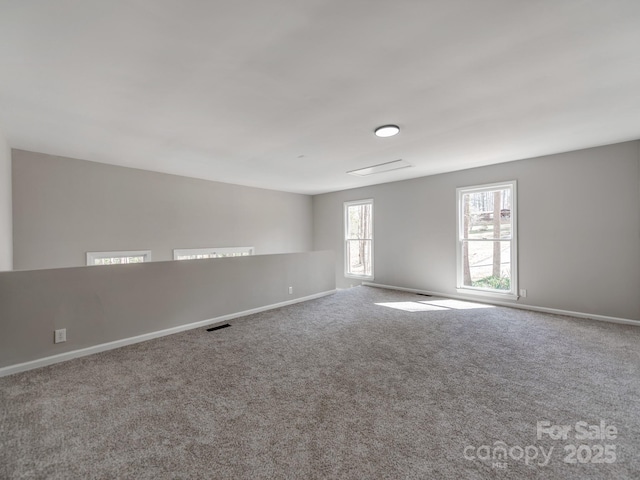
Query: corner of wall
(6, 206)
(638, 145)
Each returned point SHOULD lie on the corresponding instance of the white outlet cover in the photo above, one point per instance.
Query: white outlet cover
(60, 335)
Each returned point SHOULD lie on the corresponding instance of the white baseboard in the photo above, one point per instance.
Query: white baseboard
(555, 311)
(63, 357)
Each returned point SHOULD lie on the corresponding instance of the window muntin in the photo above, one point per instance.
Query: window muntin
(118, 258)
(358, 228)
(212, 252)
(487, 247)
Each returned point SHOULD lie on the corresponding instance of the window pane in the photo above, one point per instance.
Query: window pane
(359, 257)
(359, 221)
(212, 252)
(118, 260)
(487, 214)
(487, 264)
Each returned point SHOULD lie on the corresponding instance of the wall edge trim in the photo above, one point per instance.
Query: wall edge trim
(83, 352)
(555, 311)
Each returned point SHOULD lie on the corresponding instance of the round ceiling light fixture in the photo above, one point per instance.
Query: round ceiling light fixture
(387, 131)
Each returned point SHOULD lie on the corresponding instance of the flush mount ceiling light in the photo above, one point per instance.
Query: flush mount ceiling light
(383, 167)
(387, 131)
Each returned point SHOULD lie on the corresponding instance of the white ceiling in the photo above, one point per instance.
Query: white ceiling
(285, 94)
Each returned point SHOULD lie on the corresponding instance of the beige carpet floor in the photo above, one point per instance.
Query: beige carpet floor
(363, 384)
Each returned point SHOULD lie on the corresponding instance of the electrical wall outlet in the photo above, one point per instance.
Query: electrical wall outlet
(523, 293)
(290, 290)
(60, 335)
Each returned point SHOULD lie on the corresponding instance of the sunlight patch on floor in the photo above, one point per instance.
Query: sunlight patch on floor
(458, 304)
(412, 306)
(434, 305)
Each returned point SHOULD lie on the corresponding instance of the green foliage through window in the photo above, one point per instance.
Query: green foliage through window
(495, 283)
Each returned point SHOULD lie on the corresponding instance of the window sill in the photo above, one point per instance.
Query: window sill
(487, 294)
(359, 277)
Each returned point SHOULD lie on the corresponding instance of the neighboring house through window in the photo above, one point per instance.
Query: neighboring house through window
(487, 247)
(117, 258)
(212, 252)
(358, 228)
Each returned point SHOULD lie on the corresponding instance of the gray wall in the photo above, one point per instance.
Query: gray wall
(6, 225)
(579, 229)
(65, 207)
(101, 304)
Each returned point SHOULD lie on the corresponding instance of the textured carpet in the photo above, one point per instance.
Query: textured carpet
(339, 387)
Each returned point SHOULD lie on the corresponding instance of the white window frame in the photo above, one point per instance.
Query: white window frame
(346, 206)
(93, 256)
(177, 252)
(466, 289)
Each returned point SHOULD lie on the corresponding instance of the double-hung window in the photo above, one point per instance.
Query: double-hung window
(486, 239)
(358, 229)
(118, 258)
(212, 252)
